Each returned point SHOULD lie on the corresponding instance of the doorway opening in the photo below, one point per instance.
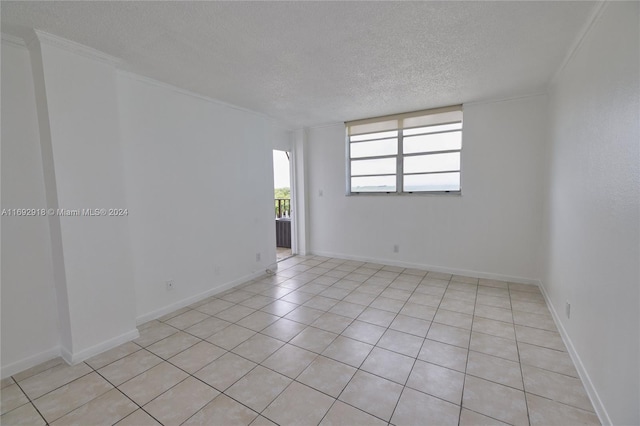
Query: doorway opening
(282, 198)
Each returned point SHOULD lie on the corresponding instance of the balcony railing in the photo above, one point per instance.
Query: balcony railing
(283, 207)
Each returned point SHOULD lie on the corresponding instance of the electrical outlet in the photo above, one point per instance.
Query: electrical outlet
(567, 309)
(170, 284)
(396, 248)
(257, 257)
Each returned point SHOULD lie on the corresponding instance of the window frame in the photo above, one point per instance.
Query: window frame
(400, 155)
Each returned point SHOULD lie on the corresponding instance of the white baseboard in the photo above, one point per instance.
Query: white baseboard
(454, 271)
(32, 361)
(76, 357)
(601, 411)
(198, 297)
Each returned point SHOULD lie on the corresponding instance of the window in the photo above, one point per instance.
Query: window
(406, 153)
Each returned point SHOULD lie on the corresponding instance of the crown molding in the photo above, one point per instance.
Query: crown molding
(185, 92)
(15, 40)
(42, 37)
(596, 13)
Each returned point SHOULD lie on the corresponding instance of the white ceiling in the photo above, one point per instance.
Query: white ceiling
(310, 63)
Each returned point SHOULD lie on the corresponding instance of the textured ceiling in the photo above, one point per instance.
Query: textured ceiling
(310, 63)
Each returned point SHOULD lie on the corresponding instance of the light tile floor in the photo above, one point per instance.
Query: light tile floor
(325, 341)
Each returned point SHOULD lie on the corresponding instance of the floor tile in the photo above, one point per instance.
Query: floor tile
(498, 302)
(528, 319)
(390, 365)
(443, 354)
(108, 408)
(492, 345)
(223, 411)
(416, 326)
(544, 338)
(347, 309)
(181, 402)
(258, 347)
(215, 306)
(404, 343)
(364, 332)
(348, 351)
(418, 311)
(236, 296)
(258, 321)
(148, 385)
(438, 381)
(386, 304)
(533, 307)
(258, 301)
(464, 279)
(450, 335)
(332, 322)
(259, 388)
(495, 369)
(130, 366)
(320, 303)
(492, 291)
(372, 394)
(342, 414)
(112, 355)
(230, 337)
(67, 398)
(494, 313)
(284, 329)
(454, 319)
(7, 381)
(186, 319)
(153, 333)
(493, 400)
(544, 412)
(48, 380)
(11, 397)
(314, 339)
(414, 407)
(138, 418)
(197, 356)
(360, 298)
(298, 405)
(208, 327)
(548, 359)
(304, 315)
(235, 313)
(425, 299)
(290, 360)
(327, 375)
(262, 421)
(26, 415)
(396, 294)
(455, 305)
(336, 293)
(377, 317)
(279, 308)
(225, 371)
(493, 327)
(555, 386)
(493, 283)
(38, 369)
(172, 345)
(471, 418)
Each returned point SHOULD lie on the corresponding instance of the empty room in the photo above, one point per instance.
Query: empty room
(320, 213)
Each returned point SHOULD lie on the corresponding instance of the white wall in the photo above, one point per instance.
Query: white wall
(29, 315)
(81, 102)
(591, 254)
(199, 180)
(492, 230)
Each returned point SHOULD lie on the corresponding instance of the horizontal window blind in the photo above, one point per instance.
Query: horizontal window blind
(404, 153)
